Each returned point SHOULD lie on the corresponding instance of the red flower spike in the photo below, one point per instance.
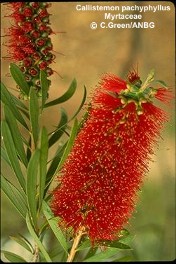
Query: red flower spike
(29, 37)
(99, 181)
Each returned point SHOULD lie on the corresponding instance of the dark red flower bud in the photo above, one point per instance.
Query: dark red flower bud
(27, 62)
(29, 42)
(36, 56)
(28, 77)
(27, 11)
(27, 26)
(34, 4)
(35, 34)
(43, 13)
(33, 71)
(40, 42)
(42, 65)
(49, 71)
(37, 19)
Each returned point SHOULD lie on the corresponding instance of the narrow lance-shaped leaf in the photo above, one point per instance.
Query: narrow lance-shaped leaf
(21, 107)
(53, 166)
(22, 242)
(12, 155)
(4, 156)
(12, 257)
(16, 135)
(66, 96)
(116, 244)
(104, 255)
(19, 78)
(60, 128)
(16, 197)
(37, 240)
(81, 105)
(43, 163)
(162, 83)
(34, 115)
(125, 259)
(69, 143)
(32, 171)
(8, 99)
(19, 103)
(84, 245)
(53, 222)
(27, 242)
(44, 86)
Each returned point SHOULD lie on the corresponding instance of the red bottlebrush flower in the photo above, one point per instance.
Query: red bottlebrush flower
(29, 38)
(99, 181)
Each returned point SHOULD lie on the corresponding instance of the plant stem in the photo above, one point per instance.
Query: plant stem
(76, 241)
(36, 254)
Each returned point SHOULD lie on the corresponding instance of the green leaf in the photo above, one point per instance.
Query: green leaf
(66, 96)
(32, 171)
(84, 245)
(102, 256)
(37, 240)
(43, 163)
(60, 128)
(53, 222)
(91, 252)
(163, 84)
(27, 242)
(56, 251)
(19, 103)
(8, 99)
(34, 115)
(21, 107)
(16, 197)
(123, 233)
(124, 259)
(81, 105)
(53, 166)
(23, 242)
(149, 79)
(16, 135)
(4, 156)
(19, 78)
(69, 144)
(12, 155)
(44, 87)
(116, 244)
(29, 149)
(125, 237)
(12, 257)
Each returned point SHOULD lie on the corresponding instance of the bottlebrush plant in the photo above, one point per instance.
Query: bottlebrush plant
(99, 168)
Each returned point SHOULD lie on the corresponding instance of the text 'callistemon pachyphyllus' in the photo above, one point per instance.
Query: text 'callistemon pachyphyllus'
(29, 44)
(99, 181)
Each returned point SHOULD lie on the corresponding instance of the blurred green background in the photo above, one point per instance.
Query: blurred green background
(87, 55)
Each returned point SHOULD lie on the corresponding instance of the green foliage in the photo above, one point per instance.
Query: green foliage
(56, 135)
(54, 226)
(31, 185)
(17, 197)
(34, 116)
(44, 87)
(28, 157)
(19, 78)
(12, 257)
(16, 135)
(12, 154)
(8, 99)
(43, 163)
(66, 96)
